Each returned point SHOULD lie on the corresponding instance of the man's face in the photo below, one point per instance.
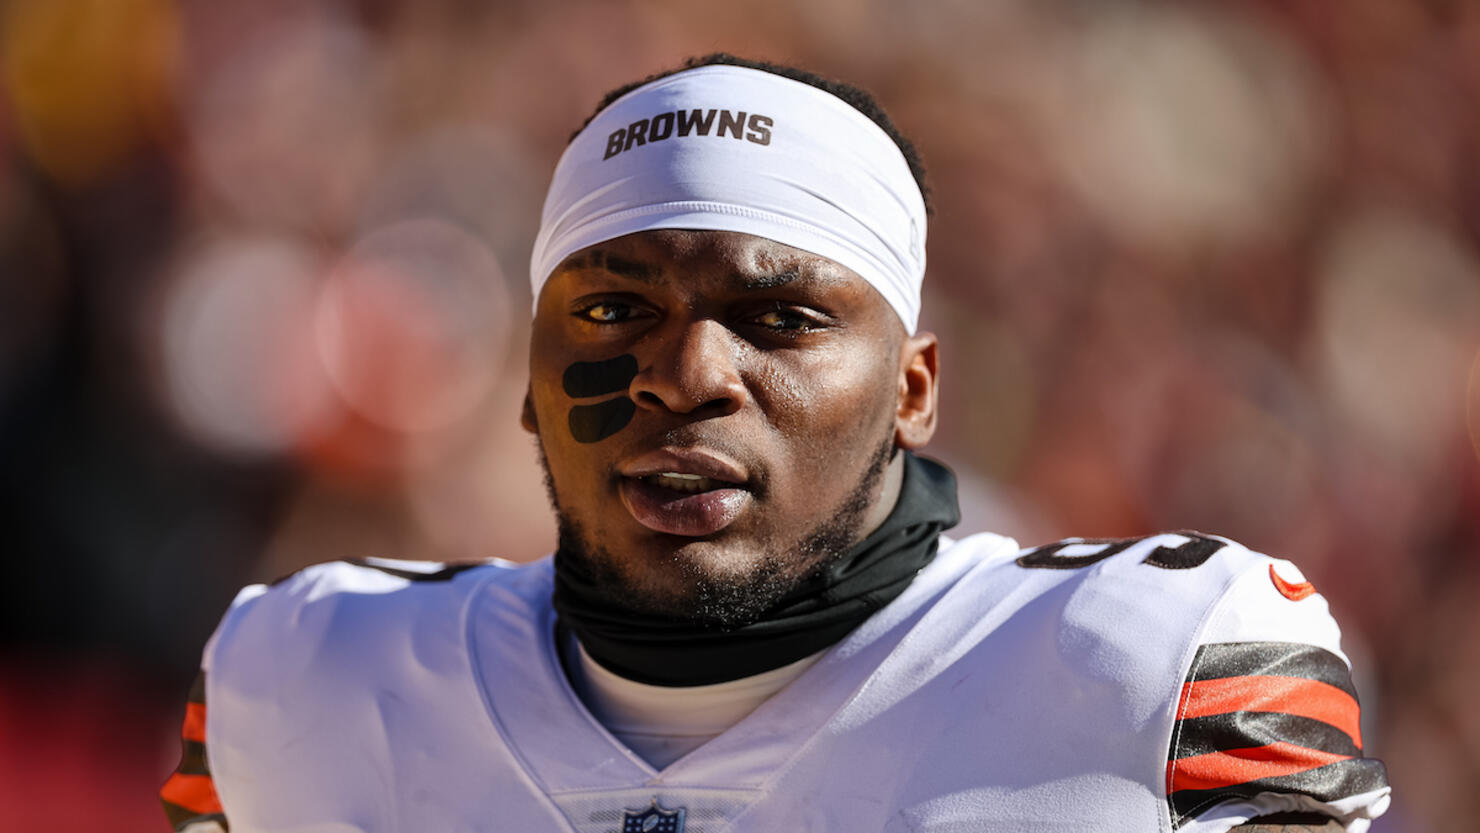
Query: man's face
(715, 411)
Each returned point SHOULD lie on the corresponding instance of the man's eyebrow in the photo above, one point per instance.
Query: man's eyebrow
(767, 280)
(799, 276)
(614, 264)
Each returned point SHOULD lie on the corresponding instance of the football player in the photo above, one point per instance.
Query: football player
(753, 620)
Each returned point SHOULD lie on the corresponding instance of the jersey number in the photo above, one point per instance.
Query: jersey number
(1197, 550)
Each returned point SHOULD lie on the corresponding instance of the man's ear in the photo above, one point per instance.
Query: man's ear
(914, 420)
(526, 414)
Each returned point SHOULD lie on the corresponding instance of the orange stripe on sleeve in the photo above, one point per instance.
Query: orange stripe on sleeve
(195, 723)
(1288, 695)
(196, 793)
(1217, 770)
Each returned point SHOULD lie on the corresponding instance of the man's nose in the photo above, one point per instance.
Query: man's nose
(692, 371)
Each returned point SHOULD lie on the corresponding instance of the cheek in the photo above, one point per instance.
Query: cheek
(830, 405)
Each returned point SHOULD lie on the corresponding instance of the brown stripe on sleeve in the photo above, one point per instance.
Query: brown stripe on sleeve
(1271, 659)
(193, 759)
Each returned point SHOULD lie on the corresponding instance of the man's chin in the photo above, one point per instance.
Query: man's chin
(711, 582)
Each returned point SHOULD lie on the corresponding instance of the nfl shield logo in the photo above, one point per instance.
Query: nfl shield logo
(654, 819)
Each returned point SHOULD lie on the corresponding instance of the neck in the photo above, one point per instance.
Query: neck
(889, 487)
(661, 723)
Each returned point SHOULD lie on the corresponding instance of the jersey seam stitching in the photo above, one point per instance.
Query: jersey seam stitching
(476, 674)
(1213, 610)
(920, 613)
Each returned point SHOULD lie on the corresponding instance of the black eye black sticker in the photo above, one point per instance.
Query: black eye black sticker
(584, 379)
(593, 423)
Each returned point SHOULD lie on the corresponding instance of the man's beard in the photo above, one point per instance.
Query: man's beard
(728, 601)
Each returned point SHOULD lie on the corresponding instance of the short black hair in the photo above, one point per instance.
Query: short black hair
(858, 98)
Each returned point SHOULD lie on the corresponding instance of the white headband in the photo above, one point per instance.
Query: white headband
(735, 149)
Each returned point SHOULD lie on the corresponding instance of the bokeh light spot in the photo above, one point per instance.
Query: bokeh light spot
(89, 80)
(284, 133)
(1187, 127)
(1399, 309)
(238, 347)
(410, 326)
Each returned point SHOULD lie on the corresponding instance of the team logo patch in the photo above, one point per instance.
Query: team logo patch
(1292, 590)
(655, 819)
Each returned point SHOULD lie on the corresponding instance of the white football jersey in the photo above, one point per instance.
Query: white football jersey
(1178, 682)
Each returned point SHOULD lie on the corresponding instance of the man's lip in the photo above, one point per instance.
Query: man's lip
(676, 513)
(700, 461)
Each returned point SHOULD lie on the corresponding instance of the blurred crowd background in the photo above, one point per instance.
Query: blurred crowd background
(264, 294)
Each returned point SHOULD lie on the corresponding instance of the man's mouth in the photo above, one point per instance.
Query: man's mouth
(687, 483)
(690, 492)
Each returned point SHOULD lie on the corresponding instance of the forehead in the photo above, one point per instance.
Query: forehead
(713, 261)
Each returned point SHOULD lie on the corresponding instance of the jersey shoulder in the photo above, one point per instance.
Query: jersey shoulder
(1158, 591)
(303, 669)
(1266, 718)
(328, 614)
(1254, 597)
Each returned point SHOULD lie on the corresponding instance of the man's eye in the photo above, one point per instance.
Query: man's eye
(606, 313)
(783, 319)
